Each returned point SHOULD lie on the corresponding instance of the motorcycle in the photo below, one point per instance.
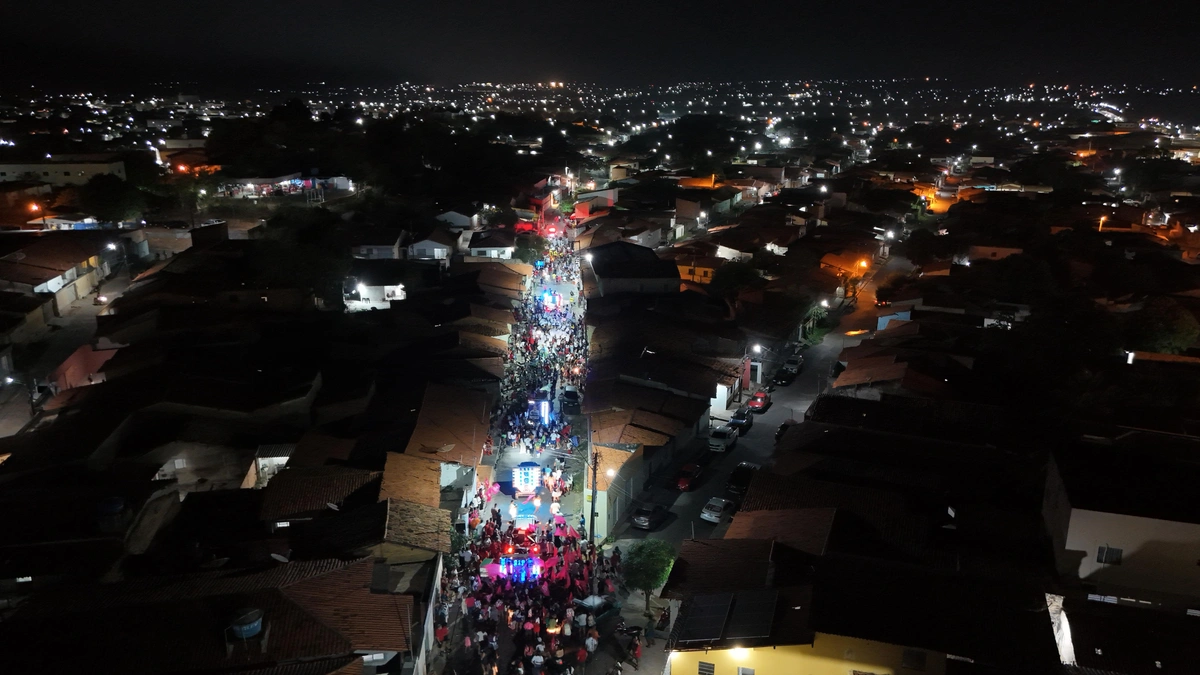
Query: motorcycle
(623, 629)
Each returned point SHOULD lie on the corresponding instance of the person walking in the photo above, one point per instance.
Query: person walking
(650, 626)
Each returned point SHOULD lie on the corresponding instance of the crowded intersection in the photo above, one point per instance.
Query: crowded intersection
(527, 589)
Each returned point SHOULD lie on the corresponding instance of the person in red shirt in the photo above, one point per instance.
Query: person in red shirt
(441, 633)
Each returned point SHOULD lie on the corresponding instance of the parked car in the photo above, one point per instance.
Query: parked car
(722, 438)
(743, 419)
(793, 363)
(605, 609)
(649, 516)
(787, 424)
(883, 303)
(759, 402)
(688, 476)
(783, 378)
(739, 480)
(715, 509)
(570, 400)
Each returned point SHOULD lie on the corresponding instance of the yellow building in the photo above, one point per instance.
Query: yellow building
(768, 632)
(827, 655)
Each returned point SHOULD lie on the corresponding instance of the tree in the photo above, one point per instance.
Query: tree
(1162, 326)
(730, 279)
(530, 248)
(647, 565)
(110, 199)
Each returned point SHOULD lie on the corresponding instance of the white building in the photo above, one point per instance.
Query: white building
(64, 169)
(438, 246)
(492, 244)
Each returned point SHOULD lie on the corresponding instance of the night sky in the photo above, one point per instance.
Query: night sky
(257, 42)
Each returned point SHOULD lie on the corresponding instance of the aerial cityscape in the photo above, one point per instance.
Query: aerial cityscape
(321, 358)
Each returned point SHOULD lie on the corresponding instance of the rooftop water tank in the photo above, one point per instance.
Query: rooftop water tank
(247, 622)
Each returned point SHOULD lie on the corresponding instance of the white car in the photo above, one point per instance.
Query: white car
(715, 509)
(722, 438)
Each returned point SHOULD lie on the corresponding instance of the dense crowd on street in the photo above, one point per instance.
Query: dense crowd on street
(547, 351)
(544, 623)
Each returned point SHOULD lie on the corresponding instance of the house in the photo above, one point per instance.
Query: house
(698, 269)
(66, 169)
(620, 469)
(1127, 529)
(492, 244)
(66, 264)
(452, 427)
(623, 267)
(437, 246)
(376, 243)
(462, 217)
(375, 284)
(317, 617)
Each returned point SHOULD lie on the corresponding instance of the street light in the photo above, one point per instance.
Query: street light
(587, 257)
(757, 349)
(1102, 219)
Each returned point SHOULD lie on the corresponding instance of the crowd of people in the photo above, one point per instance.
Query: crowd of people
(529, 592)
(547, 351)
(542, 620)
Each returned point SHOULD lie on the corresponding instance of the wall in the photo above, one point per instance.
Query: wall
(500, 253)
(1157, 555)
(828, 655)
(60, 174)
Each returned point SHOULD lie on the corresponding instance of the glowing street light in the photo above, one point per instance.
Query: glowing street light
(587, 257)
(757, 349)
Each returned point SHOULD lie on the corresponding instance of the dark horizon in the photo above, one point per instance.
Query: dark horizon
(624, 44)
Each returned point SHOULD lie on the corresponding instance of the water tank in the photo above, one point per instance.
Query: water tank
(246, 622)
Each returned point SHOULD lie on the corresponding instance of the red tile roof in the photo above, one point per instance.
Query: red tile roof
(343, 601)
(298, 491)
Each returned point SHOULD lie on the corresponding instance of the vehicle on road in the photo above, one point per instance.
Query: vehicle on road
(739, 480)
(760, 401)
(688, 476)
(649, 516)
(743, 419)
(787, 424)
(715, 509)
(783, 378)
(601, 608)
(793, 364)
(570, 400)
(722, 438)
(883, 303)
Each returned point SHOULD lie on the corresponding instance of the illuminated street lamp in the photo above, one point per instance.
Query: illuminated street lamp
(757, 349)
(1102, 219)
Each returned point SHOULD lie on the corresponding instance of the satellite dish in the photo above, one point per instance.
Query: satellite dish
(281, 557)
(332, 506)
(440, 451)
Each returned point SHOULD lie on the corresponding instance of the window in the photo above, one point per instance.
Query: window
(67, 173)
(45, 173)
(1108, 555)
(373, 658)
(745, 671)
(707, 668)
(913, 659)
(180, 463)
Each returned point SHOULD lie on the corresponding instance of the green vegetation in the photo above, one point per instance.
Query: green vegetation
(647, 565)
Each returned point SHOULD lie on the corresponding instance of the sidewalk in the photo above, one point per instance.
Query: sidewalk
(633, 610)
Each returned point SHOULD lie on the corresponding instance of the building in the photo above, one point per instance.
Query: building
(376, 243)
(63, 169)
(438, 246)
(492, 244)
(623, 267)
(462, 217)
(68, 265)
